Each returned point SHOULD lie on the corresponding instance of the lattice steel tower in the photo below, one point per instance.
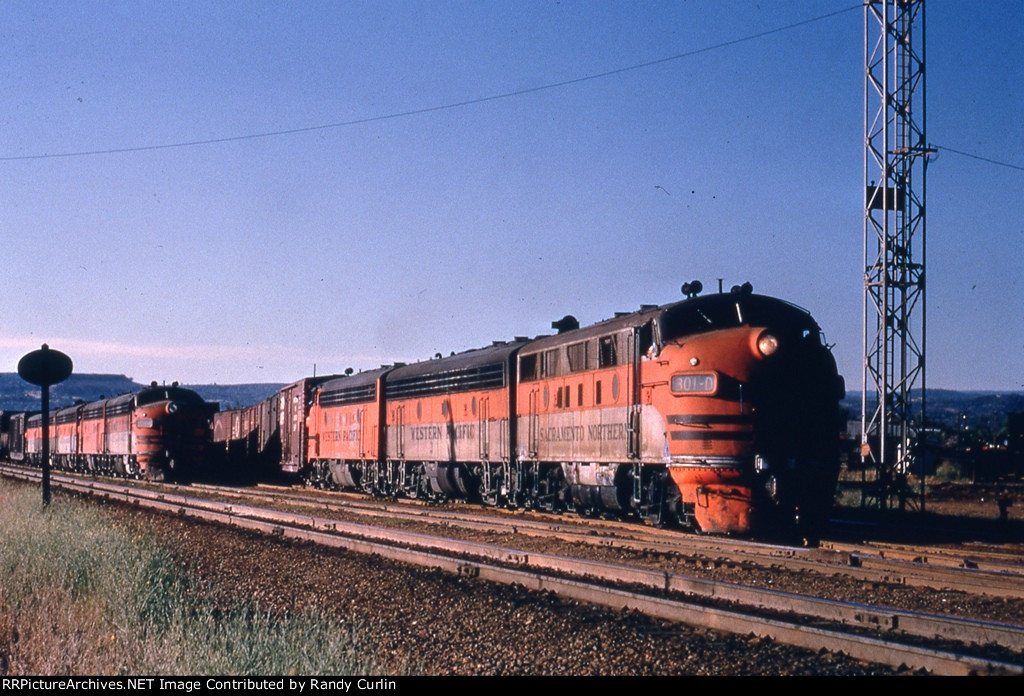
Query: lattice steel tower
(895, 160)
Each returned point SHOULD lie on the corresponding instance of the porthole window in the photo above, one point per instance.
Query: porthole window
(547, 396)
(444, 408)
(615, 387)
(473, 405)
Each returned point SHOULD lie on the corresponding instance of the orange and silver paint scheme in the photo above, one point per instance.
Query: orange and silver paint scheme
(345, 428)
(172, 429)
(719, 411)
(449, 426)
(160, 433)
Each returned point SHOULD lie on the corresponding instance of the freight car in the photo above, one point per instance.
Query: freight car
(717, 412)
(266, 440)
(8, 434)
(160, 433)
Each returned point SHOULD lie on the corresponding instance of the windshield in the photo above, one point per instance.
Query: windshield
(724, 311)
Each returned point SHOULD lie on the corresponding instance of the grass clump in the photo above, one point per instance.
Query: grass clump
(80, 594)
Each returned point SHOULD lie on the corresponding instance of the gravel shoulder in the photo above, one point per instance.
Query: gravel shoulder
(427, 622)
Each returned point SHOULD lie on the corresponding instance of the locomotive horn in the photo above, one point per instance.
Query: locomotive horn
(693, 288)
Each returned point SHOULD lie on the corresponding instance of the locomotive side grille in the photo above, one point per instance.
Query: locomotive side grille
(349, 395)
(467, 379)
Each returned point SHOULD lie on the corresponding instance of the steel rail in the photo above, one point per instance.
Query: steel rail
(991, 561)
(398, 546)
(851, 560)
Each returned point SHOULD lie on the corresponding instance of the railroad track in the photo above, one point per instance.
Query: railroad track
(873, 634)
(991, 574)
(937, 556)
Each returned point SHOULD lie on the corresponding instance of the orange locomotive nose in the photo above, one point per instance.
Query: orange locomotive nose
(750, 413)
(724, 509)
(170, 432)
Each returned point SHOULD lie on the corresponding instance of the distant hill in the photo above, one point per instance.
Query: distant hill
(235, 395)
(946, 406)
(18, 395)
(979, 408)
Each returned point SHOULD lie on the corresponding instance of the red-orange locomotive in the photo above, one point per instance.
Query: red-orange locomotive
(719, 412)
(159, 433)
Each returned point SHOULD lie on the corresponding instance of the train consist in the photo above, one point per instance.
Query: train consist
(160, 433)
(718, 412)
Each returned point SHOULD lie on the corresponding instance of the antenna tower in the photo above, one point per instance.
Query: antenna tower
(895, 163)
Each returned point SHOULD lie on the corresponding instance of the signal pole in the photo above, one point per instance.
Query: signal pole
(895, 163)
(45, 367)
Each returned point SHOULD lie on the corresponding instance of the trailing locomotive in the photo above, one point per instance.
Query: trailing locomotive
(158, 433)
(717, 412)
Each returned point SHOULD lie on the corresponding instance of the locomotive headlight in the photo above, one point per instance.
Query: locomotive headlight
(767, 344)
(172, 408)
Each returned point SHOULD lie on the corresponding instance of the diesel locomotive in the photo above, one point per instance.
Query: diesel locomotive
(160, 433)
(718, 412)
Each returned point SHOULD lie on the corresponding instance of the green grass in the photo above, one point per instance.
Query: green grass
(80, 594)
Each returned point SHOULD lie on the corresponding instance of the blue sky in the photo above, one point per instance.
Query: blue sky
(412, 229)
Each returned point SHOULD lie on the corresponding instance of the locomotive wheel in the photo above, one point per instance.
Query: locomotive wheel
(131, 468)
(654, 510)
(551, 487)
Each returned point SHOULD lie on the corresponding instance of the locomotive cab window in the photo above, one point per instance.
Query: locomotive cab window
(714, 312)
(549, 363)
(528, 368)
(577, 354)
(608, 354)
(645, 338)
